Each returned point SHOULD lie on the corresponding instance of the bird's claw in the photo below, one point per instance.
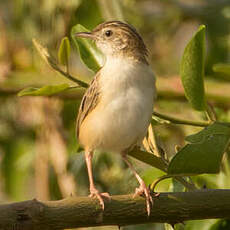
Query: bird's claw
(143, 190)
(94, 193)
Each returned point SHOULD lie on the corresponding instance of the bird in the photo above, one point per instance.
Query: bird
(117, 107)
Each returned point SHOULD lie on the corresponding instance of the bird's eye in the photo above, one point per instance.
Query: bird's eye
(108, 33)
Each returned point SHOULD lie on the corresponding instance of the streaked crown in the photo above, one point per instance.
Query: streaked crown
(118, 38)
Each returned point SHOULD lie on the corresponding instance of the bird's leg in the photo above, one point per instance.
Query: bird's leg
(93, 191)
(143, 189)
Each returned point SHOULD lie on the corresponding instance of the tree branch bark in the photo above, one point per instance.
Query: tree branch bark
(122, 210)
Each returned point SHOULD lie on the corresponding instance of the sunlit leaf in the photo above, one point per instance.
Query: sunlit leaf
(64, 51)
(192, 70)
(178, 226)
(87, 49)
(168, 227)
(44, 53)
(44, 91)
(204, 153)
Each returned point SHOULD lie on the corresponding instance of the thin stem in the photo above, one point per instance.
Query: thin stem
(154, 184)
(190, 186)
(181, 121)
(67, 75)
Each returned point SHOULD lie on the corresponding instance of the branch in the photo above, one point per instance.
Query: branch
(67, 75)
(122, 210)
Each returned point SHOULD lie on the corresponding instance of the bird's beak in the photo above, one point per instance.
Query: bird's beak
(85, 35)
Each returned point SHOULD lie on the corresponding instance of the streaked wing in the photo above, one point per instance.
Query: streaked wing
(89, 101)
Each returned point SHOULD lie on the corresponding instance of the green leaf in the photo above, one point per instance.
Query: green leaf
(44, 91)
(178, 226)
(44, 53)
(87, 49)
(198, 224)
(168, 227)
(192, 70)
(221, 225)
(215, 128)
(64, 51)
(148, 158)
(204, 153)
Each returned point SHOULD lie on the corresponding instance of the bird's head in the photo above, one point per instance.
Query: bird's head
(115, 38)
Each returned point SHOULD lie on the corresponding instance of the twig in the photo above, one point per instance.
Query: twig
(188, 185)
(53, 63)
(67, 75)
(181, 121)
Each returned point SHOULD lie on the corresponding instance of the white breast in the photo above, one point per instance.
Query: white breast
(122, 117)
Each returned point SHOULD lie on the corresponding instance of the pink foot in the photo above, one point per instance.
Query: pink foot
(143, 190)
(94, 193)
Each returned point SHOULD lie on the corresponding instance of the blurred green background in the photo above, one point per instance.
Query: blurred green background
(39, 154)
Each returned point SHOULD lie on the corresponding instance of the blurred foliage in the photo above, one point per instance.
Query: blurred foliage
(39, 153)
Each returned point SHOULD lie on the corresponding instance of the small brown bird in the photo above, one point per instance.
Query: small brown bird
(116, 110)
